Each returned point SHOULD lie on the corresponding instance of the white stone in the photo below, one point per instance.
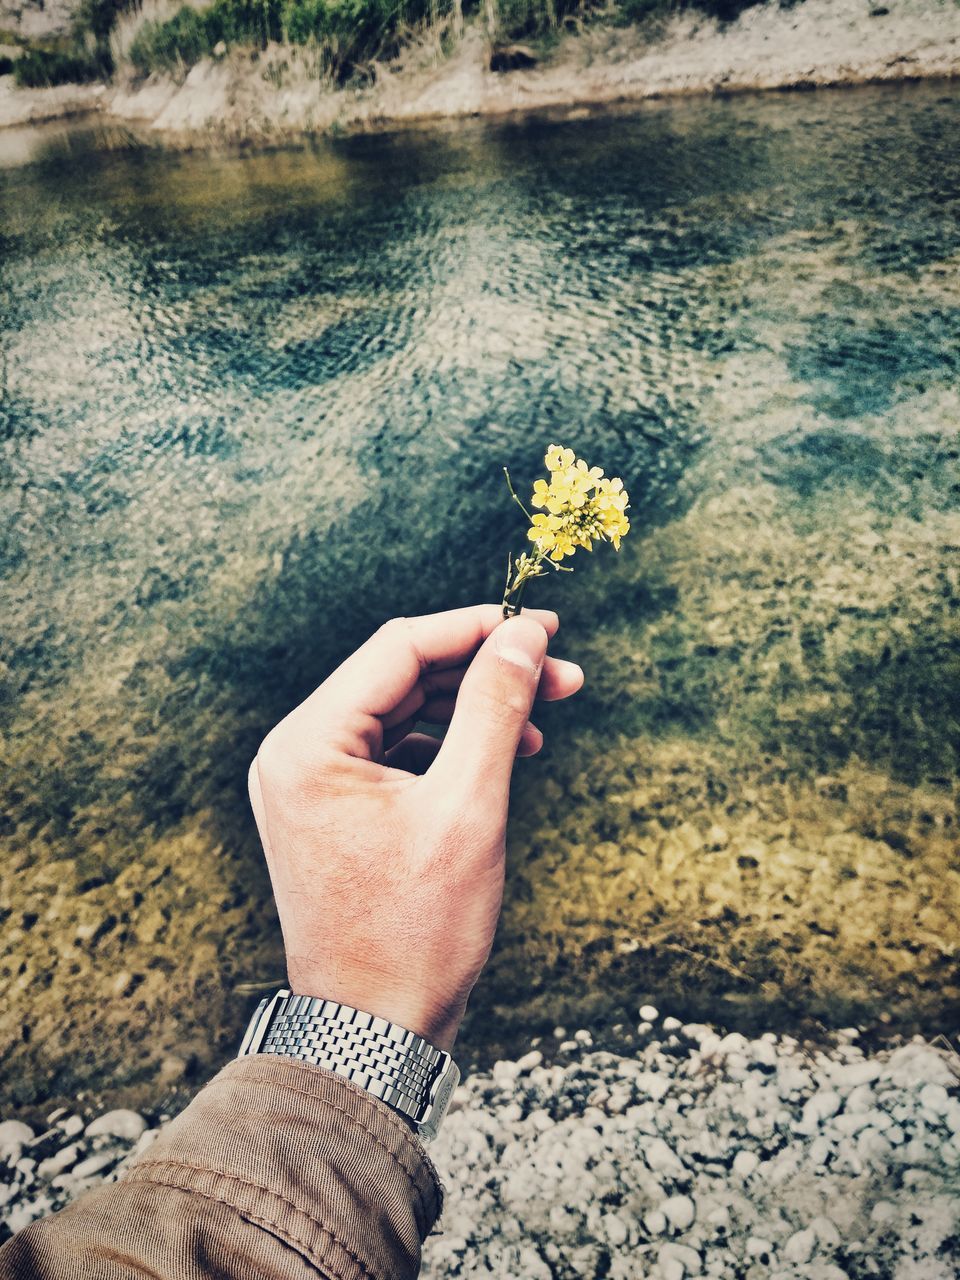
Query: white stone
(615, 1230)
(505, 1073)
(826, 1232)
(655, 1222)
(529, 1060)
(688, 1257)
(95, 1164)
(820, 1107)
(671, 1024)
(59, 1161)
(745, 1163)
(934, 1097)
(757, 1247)
(14, 1135)
(853, 1074)
(679, 1211)
(583, 1037)
(648, 1013)
(799, 1248)
(127, 1125)
(883, 1212)
(71, 1126)
(733, 1043)
(662, 1159)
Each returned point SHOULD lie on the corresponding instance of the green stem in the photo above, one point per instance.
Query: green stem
(513, 494)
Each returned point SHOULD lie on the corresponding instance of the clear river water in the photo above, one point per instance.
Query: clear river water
(253, 403)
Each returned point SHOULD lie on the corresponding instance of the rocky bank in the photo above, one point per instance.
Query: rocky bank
(698, 1153)
(280, 92)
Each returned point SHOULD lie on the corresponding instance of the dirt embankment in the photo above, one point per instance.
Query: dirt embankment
(254, 95)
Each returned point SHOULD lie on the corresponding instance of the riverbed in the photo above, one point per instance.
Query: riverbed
(252, 403)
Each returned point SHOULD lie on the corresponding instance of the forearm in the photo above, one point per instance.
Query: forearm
(276, 1169)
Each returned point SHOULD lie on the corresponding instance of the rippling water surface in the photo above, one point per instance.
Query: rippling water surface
(250, 405)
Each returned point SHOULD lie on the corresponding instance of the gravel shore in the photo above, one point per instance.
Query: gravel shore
(700, 1154)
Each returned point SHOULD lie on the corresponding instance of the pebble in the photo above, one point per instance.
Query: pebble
(648, 1013)
(745, 1163)
(656, 1222)
(662, 1159)
(127, 1125)
(529, 1060)
(14, 1136)
(679, 1211)
(615, 1229)
(96, 1163)
(826, 1232)
(685, 1254)
(799, 1248)
(59, 1161)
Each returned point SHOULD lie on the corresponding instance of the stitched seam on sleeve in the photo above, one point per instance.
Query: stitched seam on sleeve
(411, 1173)
(288, 1236)
(388, 1116)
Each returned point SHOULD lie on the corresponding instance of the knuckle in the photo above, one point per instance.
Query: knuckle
(503, 703)
(394, 628)
(271, 759)
(285, 768)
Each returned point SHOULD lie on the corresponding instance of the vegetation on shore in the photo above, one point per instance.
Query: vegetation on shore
(78, 58)
(346, 34)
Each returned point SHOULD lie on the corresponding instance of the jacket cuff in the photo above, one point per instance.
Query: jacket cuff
(311, 1158)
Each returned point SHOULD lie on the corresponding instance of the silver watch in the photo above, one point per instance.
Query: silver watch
(395, 1065)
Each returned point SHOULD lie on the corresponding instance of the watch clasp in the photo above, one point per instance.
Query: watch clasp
(260, 1023)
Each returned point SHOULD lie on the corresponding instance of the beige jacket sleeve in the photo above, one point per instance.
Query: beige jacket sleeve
(275, 1170)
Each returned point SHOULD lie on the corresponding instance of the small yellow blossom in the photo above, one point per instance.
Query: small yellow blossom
(576, 507)
(559, 459)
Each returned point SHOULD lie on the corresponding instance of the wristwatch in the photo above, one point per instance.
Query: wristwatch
(395, 1065)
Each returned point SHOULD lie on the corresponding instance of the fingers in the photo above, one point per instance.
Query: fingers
(491, 714)
(416, 752)
(427, 702)
(374, 680)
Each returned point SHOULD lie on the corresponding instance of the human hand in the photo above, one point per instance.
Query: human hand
(385, 846)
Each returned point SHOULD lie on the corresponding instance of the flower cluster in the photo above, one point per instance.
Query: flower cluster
(582, 506)
(576, 506)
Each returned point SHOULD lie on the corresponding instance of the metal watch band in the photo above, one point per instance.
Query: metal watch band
(395, 1065)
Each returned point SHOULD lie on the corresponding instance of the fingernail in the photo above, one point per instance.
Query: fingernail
(569, 668)
(521, 642)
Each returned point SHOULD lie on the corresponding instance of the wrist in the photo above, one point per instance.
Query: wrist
(413, 1010)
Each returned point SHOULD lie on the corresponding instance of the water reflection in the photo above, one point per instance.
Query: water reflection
(252, 404)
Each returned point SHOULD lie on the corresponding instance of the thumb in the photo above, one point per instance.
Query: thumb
(493, 706)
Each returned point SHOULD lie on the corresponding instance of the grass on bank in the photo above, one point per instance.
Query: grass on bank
(347, 34)
(77, 58)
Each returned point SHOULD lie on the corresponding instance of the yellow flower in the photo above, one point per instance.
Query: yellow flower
(576, 507)
(583, 506)
(559, 459)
